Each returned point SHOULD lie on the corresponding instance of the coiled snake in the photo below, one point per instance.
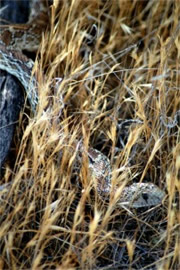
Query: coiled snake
(13, 61)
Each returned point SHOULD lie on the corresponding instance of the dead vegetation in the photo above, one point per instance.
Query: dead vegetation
(119, 61)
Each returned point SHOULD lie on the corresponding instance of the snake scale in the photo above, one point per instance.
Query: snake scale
(16, 38)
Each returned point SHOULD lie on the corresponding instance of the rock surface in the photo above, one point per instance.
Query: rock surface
(11, 101)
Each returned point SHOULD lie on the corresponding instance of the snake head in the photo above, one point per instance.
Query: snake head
(141, 195)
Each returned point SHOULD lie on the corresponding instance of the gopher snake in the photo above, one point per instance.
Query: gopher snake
(17, 64)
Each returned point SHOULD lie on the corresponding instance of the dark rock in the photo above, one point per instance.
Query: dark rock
(11, 101)
(14, 11)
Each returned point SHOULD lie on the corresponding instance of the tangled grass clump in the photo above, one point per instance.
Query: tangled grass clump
(119, 61)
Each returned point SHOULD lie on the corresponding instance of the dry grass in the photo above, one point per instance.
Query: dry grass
(119, 60)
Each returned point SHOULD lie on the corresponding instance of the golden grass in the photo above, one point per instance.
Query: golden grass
(119, 60)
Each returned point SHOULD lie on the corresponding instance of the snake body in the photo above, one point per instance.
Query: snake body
(17, 64)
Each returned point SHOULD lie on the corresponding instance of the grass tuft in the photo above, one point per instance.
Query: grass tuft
(119, 93)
